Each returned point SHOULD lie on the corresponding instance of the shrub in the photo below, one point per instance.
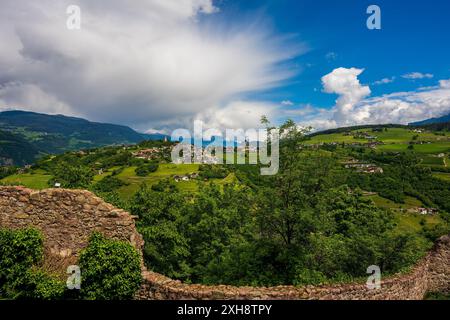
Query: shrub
(108, 184)
(72, 176)
(213, 171)
(20, 252)
(40, 285)
(145, 170)
(165, 185)
(109, 269)
(113, 198)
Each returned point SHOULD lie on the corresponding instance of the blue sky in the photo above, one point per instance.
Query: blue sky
(415, 37)
(159, 65)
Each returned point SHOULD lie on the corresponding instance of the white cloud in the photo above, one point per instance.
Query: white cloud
(384, 81)
(345, 83)
(405, 107)
(353, 108)
(140, 63)
(22, 96)
(417, 75)
(444, 84)
(287, 103)
(238, 114)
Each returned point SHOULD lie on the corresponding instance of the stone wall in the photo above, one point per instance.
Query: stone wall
(432, 273)
(439, 266)
(68, 217)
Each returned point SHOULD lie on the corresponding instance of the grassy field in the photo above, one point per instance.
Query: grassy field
(334, 137)
(381, 202)
(407, 222)
(414, 223)
(400, 135)
(442, 175)
(99, 177)
(432, 160)
(164, 171)
(394, 136)
(37, 180)
(435, 147)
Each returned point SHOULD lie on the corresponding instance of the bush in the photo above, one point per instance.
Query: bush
(40, 285)
(213, 171)
(72, 176)
(108, 184)
(20, 252)
(145, 170)
(113, 198)
(109, 269)
(165, 185)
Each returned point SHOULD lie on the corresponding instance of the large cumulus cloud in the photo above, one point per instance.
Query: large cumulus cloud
(139, 63)
(354, 107)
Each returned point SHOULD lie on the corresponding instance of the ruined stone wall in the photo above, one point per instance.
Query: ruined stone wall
(439, 266)
(66, 218)
(432, 273)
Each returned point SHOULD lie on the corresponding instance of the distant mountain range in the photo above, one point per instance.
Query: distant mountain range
(442, 119)
(26, 135)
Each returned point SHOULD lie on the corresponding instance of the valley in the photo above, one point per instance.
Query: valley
(382, 183)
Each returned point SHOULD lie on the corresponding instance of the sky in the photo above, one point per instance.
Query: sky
(158, 65)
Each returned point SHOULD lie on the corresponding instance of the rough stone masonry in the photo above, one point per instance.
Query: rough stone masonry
(68, 217)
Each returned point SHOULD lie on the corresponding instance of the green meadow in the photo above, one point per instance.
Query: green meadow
(406, 222)
(389, 136)
(36, 180)
(39, 179)
(434, 147)
(442, 176)
(414, 223)
(334, 137)
(165, 170)
(381, 202)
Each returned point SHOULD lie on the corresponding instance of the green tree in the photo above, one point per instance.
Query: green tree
(166, 249)
(108, 184)
(217, 220)
(21, 253)
(110, 269)
(72, 176)
(146, 169)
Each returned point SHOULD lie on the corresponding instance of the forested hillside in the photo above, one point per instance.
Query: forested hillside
(30, 134)
(15, 150)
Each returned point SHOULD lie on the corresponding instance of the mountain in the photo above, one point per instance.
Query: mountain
(15, 150)
(431, 121)
(24, 135)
